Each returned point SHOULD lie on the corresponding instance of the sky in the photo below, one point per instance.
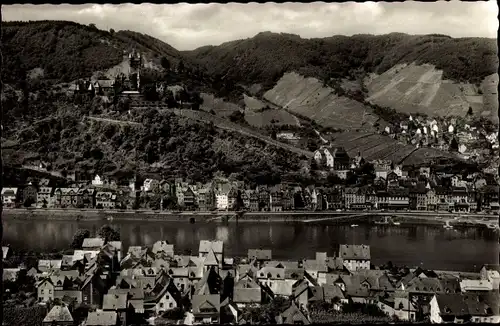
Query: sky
(188, 26)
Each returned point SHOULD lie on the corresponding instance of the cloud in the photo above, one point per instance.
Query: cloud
(188, 26)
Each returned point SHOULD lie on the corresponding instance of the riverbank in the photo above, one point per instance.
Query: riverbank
(322, 217)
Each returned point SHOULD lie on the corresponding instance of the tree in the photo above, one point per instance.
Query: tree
(28, 202)
(155, 202)
(165, 63)
(108, 233)
(454, 145)
(150, 93)
(180, 66)
(112, 31)
(469, 112)
(78, 238)
(237, 116)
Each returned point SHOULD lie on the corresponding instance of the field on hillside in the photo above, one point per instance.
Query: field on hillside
(421, 89)
(379, 147)
(220, 107)
(256, 117)
(310, 98)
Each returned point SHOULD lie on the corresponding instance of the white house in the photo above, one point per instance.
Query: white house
(98, 181)
(492, 274)
(222, 199)
(398, 170)
(476, 285)
(45, 290)
(324, 154)
(9, 196)
(451, 129)
(169, 298)
(398, 305)
(355, 257)
(148, 185)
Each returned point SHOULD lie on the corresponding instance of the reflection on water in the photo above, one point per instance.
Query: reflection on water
(433, 247)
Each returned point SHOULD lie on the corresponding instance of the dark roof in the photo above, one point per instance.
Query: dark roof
(292, 315)
(317, 293)
(332, 291)
(251, 294)
(201, 301)
(361, 252)
(294, 273)
(114, 301)
(260, 254)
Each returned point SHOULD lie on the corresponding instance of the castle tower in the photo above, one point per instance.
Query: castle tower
(135, 64)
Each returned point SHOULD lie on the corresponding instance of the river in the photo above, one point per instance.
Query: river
(427, 246)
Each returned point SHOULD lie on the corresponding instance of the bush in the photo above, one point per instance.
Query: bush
(78, 238)
(24, 316)
(108, 233)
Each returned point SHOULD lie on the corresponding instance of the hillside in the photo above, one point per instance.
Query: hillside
(159, 141)
(264, 59)
(63, 51)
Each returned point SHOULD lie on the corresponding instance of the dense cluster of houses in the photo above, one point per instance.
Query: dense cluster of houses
(438, 134)
(394, 188)
(146, 283)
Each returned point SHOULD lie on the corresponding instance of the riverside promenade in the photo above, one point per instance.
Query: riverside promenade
(323, 217)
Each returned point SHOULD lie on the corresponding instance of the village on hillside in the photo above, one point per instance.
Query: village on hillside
(99, 283)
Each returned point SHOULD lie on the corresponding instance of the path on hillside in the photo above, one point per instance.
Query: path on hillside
(119, 122)
(230, 126)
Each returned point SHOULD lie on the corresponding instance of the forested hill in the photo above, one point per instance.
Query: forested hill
(66, 51)
(264, 58)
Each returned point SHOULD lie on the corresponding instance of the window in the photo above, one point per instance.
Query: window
(167, 297)
(171, 305)
(161, 305)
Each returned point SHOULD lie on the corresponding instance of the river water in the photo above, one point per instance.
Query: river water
(430, 247)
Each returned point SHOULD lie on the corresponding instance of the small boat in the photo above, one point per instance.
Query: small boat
(109, 218)
(354, 225)
(396, 223)
(447, 225)
(492, 226)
